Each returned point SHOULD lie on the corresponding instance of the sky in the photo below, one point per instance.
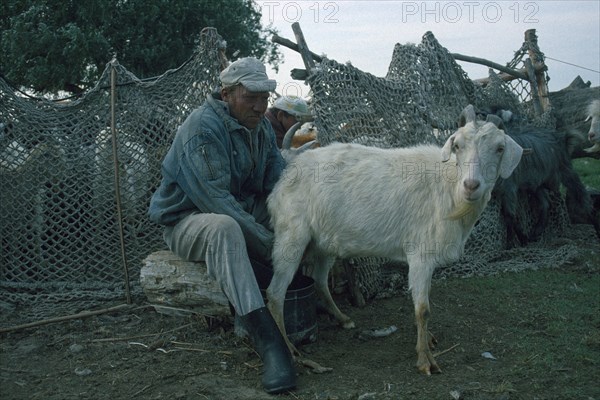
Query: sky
(364, 33)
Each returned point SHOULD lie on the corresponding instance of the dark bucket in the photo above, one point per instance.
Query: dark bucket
(300, 305)
(300, 310)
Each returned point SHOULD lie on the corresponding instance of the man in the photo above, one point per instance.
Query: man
(216, 177)
(286, 111)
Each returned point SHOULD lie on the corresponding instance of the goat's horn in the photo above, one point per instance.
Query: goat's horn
(467, 115)
(287, 139)
(306, 146)
(594, 149)
(496, 120)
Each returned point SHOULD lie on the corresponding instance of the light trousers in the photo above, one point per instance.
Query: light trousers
(218, 241)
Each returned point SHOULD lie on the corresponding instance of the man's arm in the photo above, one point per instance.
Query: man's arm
(206, 179)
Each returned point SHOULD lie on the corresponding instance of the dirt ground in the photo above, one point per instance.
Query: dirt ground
(532, 335)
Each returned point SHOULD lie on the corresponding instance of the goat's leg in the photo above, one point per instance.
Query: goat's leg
(285, 265)
(543, 202)
(419, 279)
(275, 303)
(579, 203)
(319, 272)
(509, 212)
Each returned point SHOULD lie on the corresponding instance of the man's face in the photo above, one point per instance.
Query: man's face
(287, 120)
(245, 106)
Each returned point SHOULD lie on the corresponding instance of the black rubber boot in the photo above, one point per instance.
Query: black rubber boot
(279, 374)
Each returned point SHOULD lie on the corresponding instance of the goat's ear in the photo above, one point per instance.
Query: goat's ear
(447, 149)
(467, 115)
(496, 120)
(512, 155)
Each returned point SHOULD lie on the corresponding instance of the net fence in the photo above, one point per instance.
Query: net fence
(66, 240)
(62, 243)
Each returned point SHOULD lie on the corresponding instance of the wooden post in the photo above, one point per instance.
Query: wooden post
(514, 73)
(113, 131)
(539, 67)
(535, 98)
(303, 47)
(293, 46)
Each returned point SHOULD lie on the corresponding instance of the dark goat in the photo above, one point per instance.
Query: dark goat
(542, 170)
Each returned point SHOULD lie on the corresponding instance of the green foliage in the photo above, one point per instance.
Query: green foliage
(52, 45)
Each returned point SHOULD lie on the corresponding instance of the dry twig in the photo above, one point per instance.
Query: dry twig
(118, 339)
(439, 353)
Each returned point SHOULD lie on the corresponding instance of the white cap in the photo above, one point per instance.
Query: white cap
(293, 105)
(251, 73)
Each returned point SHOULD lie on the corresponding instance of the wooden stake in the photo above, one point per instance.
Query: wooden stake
(309, 63)
(539, 67)
(113, 130)
(535, 98)
(83, 314)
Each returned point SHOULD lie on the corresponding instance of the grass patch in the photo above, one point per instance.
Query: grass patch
(541, 325)
(589, 171)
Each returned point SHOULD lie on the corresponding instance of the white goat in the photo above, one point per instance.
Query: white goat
(594, 133)
(411, 204)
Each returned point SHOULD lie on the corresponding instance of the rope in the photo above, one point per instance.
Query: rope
(574, 65)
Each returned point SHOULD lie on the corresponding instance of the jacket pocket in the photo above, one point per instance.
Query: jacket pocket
(209, 164)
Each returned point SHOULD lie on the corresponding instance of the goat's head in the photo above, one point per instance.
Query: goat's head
(594, 115)
(483, 153)
(286, 146)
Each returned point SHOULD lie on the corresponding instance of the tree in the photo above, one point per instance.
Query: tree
(53, 45)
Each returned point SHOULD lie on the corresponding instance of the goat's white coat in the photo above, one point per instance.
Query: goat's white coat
(594, 132)
(349, 200)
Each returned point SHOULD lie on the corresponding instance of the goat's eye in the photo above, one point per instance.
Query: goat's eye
(455, 147)
(500, 150)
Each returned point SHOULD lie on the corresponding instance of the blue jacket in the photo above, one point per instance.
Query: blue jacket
(216, 165)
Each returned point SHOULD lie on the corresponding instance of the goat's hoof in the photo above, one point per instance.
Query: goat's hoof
(424, 369)
(430, 369)
(295, 352)
(426, 364)
(348, 325)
